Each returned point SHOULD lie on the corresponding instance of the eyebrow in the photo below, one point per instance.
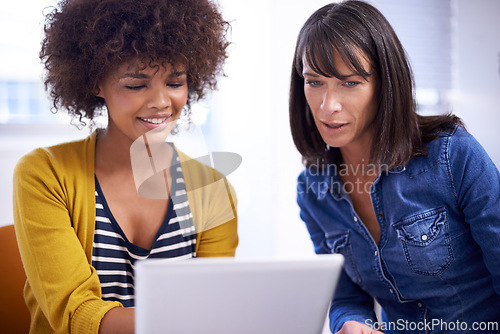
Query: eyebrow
(178, 74)
(317, 75)
(134, 75)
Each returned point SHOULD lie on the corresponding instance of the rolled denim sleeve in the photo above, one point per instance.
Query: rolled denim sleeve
(476, 183)
(349, 302)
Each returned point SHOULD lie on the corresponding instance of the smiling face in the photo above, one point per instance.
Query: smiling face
(343, 109)
(142, 99)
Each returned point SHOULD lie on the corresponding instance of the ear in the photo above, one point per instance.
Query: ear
(99, 91)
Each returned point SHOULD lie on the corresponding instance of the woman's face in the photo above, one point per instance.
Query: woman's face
(343, 110)
(140, 100)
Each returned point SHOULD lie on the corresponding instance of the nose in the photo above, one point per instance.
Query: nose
(331, 101)
(159, 98)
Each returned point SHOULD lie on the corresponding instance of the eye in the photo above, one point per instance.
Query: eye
(351, 83)
(313, 83)
(176, 85)
(134, 87)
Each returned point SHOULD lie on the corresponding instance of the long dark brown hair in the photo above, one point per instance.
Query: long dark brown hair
(356, 29)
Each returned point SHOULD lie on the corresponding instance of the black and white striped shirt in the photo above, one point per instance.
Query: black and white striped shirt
(114, 255)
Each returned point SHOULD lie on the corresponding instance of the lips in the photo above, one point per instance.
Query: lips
(155, 120)
(334, 126)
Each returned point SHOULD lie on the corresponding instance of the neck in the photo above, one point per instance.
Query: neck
(355, 157)
(356, 163)
(112, 154)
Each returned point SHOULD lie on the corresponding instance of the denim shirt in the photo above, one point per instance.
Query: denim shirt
(436, 268)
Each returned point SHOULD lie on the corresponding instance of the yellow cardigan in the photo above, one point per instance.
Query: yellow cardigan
(54, 215)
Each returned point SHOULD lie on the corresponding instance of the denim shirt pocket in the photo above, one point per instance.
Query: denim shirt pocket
(339, 244)
(426, 241)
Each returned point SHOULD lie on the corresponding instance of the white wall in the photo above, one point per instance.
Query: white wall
(251, 109)
(477, 71)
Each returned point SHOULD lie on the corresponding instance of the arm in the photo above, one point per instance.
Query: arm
(222, 239)
(476, 183)
(218, 241)
(118, 320)
(62, 286)
(350, 302)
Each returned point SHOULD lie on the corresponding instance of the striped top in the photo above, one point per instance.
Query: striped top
(114, 255)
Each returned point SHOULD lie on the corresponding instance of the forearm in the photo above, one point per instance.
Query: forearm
(350, 303)
(342, 314)
(118, 320)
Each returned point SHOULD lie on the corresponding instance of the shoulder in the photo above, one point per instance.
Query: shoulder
(459, 144)
(196, 169)
(212, 199)
(437, 150)
(305, 177)
(454, 146)
(199, 169)
(314, 183)
(455, 137)
(465, 150)
(317, 172)
(71, 155)
(202, 179)
(460, 139)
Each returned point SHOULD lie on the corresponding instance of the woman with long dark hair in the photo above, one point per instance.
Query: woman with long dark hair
(412, 202)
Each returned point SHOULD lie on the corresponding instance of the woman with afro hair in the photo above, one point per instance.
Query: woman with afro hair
(85, 211)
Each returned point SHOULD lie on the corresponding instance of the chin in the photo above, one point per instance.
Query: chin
(334, 143)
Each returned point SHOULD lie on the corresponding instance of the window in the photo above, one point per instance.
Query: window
(22, 95)
(425, 30)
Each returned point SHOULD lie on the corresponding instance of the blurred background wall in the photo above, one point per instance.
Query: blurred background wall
(454, 46)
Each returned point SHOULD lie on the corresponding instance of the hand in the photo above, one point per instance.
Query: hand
(354, 327)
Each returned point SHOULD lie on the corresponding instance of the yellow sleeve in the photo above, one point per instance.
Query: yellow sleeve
(218, 241)
(63, 290)
(222, 239)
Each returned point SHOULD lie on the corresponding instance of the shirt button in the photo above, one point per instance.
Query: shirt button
(391, 291)
(420, 305)
(355, 218)
(424, 237)
(376, 253)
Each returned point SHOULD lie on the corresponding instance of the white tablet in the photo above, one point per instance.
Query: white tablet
(231, 295)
